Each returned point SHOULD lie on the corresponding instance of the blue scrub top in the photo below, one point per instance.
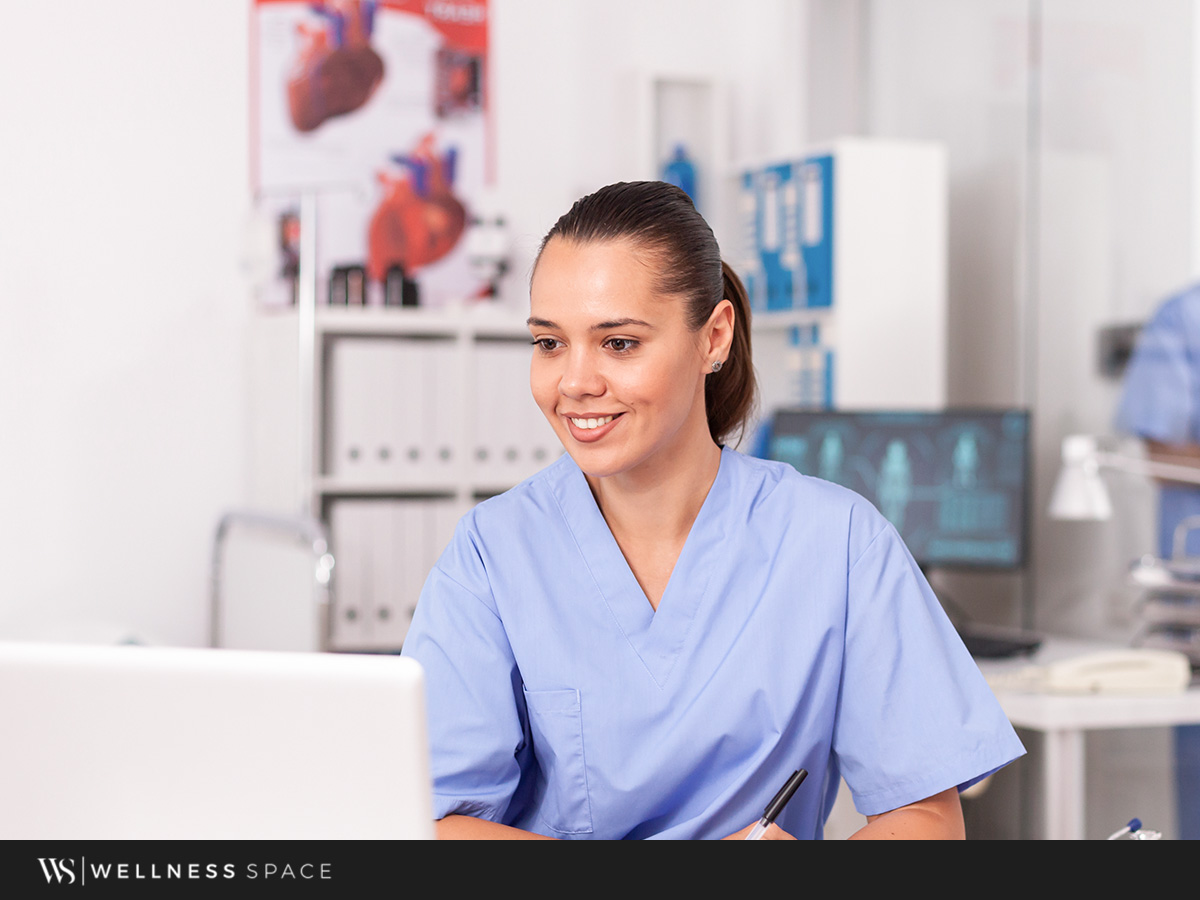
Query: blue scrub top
(1160, 400)
(796, 631)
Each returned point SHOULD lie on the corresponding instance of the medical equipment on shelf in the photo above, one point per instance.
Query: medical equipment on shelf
(1169, 608)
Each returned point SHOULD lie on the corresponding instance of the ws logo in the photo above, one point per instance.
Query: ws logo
(58, 870)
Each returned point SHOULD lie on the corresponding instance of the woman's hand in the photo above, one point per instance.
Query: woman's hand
(773, 833)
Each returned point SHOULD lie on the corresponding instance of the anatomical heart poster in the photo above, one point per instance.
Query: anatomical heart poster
(380, 109)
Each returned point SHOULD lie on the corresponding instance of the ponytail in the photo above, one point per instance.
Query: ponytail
(729, 395)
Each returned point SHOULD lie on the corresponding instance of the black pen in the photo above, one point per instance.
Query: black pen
(775, 807)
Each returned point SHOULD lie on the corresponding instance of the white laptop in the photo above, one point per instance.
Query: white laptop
(171, 743)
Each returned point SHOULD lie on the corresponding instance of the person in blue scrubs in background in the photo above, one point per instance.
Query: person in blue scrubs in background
(646, 639)
(1160, 403)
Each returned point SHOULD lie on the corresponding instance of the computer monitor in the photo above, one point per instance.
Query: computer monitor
(106, 742)
(955, 483)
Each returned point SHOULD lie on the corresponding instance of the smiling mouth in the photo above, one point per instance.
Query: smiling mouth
(589, 424)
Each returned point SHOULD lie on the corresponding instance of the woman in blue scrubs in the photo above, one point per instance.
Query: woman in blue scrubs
(646, 638)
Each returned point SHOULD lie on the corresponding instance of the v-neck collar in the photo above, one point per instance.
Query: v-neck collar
(656, 636)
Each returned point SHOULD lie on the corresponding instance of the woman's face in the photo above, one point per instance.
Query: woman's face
(615, 369)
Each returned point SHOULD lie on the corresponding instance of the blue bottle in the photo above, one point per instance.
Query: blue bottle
(681, 172)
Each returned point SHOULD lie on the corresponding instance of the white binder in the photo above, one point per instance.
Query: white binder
(386, 539)
(406, 369)
(442, 427)
(385, 550)
(350, 453)
(488, 422)
(518, 456)
(417, 516)
(348, 621)
(421, 530)
(512, 439)
(504, 415)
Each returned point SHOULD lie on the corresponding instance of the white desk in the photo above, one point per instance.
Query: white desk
(1065, 719)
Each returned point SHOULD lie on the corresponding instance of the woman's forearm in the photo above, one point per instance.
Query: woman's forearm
(936, 818)
(468, 828)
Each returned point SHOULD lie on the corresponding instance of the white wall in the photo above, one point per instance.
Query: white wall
(564, 76)
(122, 173)
(126, 340)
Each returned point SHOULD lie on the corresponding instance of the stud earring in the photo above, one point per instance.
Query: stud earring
(716, 366)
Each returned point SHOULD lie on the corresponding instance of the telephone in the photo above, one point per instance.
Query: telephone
(1132, 670)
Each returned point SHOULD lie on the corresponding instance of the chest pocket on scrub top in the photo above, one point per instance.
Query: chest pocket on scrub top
(556, 721)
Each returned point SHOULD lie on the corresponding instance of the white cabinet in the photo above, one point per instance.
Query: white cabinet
(418, 415)
(844, 252)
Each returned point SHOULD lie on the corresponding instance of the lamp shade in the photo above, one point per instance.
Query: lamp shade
(1079, 494)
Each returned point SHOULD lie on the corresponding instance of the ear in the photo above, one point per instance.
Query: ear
(716, 337)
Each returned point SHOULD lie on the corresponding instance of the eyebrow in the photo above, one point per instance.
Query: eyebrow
(599, 326)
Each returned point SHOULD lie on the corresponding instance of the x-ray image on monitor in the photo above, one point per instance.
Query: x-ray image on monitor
(955, 483)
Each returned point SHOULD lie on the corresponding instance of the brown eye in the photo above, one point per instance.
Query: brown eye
(621, 345)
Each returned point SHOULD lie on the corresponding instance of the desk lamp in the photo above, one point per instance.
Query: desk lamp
(1080, 495)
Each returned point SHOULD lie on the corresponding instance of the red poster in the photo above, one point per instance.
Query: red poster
(381, 109)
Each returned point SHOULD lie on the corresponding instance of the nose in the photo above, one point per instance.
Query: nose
(581, 376)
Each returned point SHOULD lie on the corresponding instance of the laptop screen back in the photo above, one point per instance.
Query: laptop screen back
(171, 743)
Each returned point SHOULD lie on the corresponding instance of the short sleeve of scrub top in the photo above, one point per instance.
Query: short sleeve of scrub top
(795, 632)
(1161, 386)
(1160, 400)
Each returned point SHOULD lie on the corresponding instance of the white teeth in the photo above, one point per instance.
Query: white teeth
(588, 424)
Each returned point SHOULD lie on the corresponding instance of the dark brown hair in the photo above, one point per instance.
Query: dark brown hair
(661, 219)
